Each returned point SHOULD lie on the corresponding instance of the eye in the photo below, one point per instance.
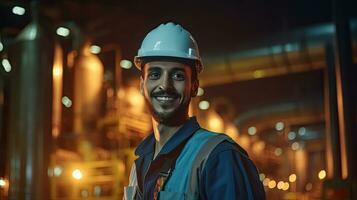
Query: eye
(154, 75)
(179, 76)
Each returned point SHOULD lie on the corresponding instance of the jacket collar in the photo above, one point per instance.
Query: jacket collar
(148, 144)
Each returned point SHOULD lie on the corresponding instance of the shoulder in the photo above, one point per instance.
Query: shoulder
(228, 146)
(223, 144)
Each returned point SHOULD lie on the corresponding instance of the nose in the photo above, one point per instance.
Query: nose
(166, 83)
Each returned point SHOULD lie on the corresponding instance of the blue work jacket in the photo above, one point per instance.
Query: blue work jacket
(228, 172)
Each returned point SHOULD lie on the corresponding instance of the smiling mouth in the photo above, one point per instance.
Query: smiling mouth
(165, 99)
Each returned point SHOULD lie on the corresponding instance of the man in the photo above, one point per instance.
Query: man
(180, 160)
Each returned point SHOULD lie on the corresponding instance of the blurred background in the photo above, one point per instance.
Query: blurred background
(279, 78)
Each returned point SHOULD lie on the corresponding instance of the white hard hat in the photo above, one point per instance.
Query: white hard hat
(169, 40)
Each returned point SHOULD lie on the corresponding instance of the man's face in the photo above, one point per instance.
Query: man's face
(168, 88)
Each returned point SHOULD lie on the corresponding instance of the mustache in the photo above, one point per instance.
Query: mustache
(165, 93)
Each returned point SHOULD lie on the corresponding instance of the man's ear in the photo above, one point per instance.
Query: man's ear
(195, 86)
(141, 85)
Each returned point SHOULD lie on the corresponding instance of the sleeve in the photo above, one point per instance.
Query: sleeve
(230, 174)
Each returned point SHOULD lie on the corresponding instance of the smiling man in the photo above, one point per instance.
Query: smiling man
(181, 160)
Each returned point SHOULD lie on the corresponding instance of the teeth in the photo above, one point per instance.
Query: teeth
(164, 98)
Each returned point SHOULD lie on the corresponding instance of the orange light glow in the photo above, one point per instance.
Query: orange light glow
(271, 184)
(322, 174)
(292, 178)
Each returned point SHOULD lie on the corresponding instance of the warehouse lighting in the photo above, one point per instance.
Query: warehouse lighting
(292, 178)
(295, 146)
(278, 151)
(322, 174)
(77, 174)
(95, 49)
(203, 105)
(57, 171)
(6, 65)
(252, 130)
(286, 186)
(280, 185)
(62, 31)
(266, 181)
(2, 182)
(200, 91)
(17, 10)
(261, 176)
(57, 71)
(279, 126)
(291, 135)
(271, 184)
(66, 101)
(126, 64)
(302, 131)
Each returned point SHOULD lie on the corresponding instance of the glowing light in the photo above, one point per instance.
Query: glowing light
(57, 171)
(302, 131)
(292, 178)
(57, 71)
(252, 130)
(2, 183)
(1, 46)
(278, 151)
(258, 147)
(6, 64)
(322, 174)
(280, 185)
(295, 146)
(203, 105)
(17, 10)
(291, 135)
(200, 91)
(286, 186)
(308, 187)
(279, 126)
(271, 184)
(77, 174)
(258, 73)
(266, 181)
(62, 31)
(261, 176)
(126, 64)
(66, 101)
(215, 122)
(95, 49)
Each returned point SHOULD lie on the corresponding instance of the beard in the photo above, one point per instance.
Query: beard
(176, 117)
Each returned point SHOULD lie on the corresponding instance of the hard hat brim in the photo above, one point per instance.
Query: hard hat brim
(140, 61)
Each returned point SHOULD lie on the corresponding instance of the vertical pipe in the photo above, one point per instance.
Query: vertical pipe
(333, 158)
(345, 90)
(29, 137)
(57, 73)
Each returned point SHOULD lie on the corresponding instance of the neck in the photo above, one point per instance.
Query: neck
(163, 133)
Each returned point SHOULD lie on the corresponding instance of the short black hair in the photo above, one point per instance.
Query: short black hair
(190, 62)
